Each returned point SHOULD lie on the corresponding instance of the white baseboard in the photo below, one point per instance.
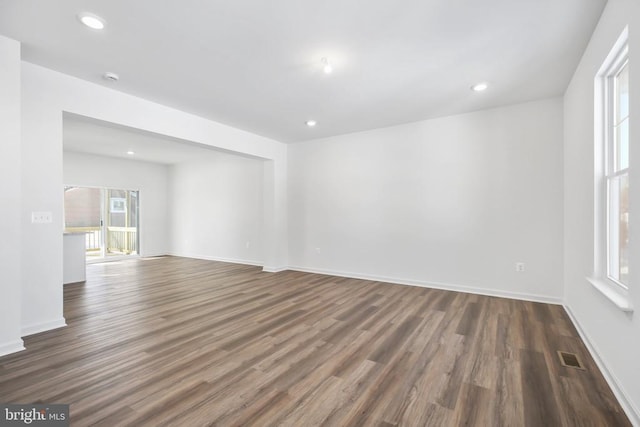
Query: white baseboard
(627, 404)
(270, 269)
(216, 258)
(42, 327)
(11, 347)
(436, 285)
(153, 254)
(394, 280)
(266, 268)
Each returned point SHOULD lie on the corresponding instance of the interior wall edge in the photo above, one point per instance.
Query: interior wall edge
(616, 386)
(155, 254)
(217, 258)
(435, 285)
(272, 269)
(11, 347)
(36, 328)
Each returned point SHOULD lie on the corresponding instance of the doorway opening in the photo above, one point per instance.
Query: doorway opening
(108, 217)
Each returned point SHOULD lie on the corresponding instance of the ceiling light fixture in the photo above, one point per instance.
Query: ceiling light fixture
(479, 87)
(131, 153)
(327, 66)
(91, 20)
(311, 123)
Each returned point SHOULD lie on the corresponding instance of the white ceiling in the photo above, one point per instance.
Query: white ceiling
(255, 64)
(91, 136)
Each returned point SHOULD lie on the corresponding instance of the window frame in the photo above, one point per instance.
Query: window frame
(611, 171)
(605, 173)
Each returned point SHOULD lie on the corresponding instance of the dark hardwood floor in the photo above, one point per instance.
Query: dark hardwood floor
(183, 342)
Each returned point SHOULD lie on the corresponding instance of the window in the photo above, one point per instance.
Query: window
(617, 169)
(611, 255)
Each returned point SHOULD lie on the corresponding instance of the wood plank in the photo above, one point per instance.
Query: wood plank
(540, 408)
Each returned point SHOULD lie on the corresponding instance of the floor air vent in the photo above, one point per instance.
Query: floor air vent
(570, 360)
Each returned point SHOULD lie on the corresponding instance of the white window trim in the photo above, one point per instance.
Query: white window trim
(600, 280)
(613, 293)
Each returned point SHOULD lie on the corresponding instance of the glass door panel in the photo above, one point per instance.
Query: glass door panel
(122, 222)
(83, 214)
(109, 217)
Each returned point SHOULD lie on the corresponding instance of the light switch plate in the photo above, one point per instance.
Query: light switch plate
(41, 217)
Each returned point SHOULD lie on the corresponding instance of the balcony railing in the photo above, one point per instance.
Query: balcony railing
(92, 239)
(120, 240)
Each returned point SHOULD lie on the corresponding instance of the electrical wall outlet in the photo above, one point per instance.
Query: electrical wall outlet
(519, 267)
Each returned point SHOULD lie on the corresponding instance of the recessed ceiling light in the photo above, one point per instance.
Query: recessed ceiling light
(311, 123)
(327, 66)
(91, 20)
(479, 87)
(131, 153)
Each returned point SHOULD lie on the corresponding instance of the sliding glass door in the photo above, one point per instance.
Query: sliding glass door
(108, 217)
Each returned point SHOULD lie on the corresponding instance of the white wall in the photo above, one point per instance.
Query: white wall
(42, 191)
(612, 334)
(10, 183)
(216, 208)
(149, 178)
(452, 202)
(46, 95)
